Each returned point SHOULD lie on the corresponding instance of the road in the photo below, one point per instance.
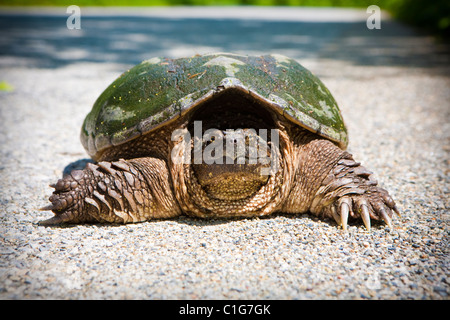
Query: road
(392, 85)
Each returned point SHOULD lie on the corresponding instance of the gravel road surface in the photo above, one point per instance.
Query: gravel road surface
(392, 86)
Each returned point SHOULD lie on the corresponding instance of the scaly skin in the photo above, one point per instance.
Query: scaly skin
(315, 176)
(329, 183)
(116, 192)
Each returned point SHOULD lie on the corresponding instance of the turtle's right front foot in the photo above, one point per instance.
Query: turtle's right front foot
(117, 192)
(68, 201)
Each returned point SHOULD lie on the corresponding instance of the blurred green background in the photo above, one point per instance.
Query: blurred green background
(430, 15)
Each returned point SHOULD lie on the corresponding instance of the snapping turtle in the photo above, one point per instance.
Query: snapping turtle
(218, 135)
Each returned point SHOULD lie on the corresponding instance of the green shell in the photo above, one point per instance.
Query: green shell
(160, 89)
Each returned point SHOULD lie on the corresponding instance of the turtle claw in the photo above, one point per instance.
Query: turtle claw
(55, 220)
(397, 212)
(345, 209)
(49, 207)
(336, 216)
(386, 217)
(365, 216)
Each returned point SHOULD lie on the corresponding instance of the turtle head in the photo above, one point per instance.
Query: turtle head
(234, 165)
(232, 145)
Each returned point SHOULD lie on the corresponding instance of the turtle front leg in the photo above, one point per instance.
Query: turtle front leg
(330, 183)
(350, 190)
(121, 191)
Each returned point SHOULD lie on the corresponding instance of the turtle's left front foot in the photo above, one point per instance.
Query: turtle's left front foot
(350, 191)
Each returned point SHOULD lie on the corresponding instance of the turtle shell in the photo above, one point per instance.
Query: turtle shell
(160, 89)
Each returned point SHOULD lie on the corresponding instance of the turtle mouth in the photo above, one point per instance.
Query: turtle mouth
(232, 143)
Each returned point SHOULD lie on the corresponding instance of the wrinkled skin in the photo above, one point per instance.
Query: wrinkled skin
(138, 180)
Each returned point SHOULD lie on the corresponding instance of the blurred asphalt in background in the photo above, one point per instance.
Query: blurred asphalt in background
(130, 35)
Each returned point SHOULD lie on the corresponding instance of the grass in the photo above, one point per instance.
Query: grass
(5, 86)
